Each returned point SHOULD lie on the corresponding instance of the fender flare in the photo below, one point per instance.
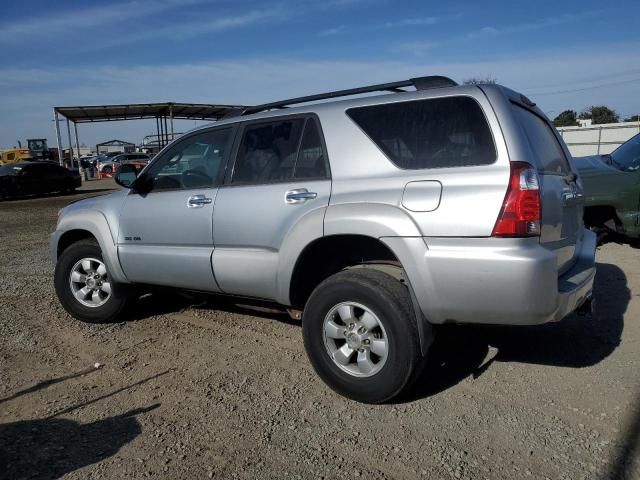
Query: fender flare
(94, 222)
(375, 220)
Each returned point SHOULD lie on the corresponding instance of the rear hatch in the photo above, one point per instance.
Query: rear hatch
(560, 191)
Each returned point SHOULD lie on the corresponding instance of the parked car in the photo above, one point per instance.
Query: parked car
(371, 219)
(28, 178)
(612, 189)
(109, 165)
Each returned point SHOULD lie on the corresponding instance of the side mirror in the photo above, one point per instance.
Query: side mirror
(126, 175)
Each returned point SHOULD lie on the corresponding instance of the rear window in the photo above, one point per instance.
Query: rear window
(435, 133)
(543, 142)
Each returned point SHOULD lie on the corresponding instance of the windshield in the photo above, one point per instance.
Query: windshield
(627, 156)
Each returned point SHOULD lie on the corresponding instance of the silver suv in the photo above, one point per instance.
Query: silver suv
(372, 219)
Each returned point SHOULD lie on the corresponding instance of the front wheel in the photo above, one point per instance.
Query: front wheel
(84, 287)
(361, 335)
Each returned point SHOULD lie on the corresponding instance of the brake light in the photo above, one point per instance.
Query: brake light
(520, 213)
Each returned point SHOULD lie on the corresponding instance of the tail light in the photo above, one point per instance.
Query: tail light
(520, 213)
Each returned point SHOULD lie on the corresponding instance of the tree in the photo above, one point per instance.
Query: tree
(633, 118)
(600, 114)
(489, 79)
(568, 118)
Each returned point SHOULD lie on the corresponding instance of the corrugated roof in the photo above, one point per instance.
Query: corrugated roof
(134, 111)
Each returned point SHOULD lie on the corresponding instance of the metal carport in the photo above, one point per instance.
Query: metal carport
(164, 113)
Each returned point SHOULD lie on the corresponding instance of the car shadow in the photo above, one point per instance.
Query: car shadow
(52, 447)
(160, 301)
(625, 463)
(460, 352)
(618, 239)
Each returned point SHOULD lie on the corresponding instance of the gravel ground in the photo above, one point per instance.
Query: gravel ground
(194, 387)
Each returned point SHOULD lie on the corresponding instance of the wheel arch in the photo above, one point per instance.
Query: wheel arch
(329, 255)
(86, 224)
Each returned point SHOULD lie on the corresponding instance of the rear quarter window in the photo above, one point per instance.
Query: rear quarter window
(549, 156)
(433, 133)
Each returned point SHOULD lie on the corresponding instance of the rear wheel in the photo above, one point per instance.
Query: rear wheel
(361, 336)
(107, 170)
(84, 287)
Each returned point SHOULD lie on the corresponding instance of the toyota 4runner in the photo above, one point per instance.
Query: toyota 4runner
(373, 218)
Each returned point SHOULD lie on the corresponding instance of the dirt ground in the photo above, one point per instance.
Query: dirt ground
(197, 388)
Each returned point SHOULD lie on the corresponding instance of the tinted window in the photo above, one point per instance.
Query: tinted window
(543, 142)
(627, 156)
(195, 162)
(268, 151)
(311, 162)
(442, 132)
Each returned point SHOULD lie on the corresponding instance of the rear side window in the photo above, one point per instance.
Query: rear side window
(543, 142)
(311, 161)
(279, 151)
(435, 133)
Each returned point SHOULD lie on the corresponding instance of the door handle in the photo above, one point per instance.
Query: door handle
(571, 196)
(197, 201)
(299, 195)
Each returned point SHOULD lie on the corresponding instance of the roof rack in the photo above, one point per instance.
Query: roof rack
(419, 83)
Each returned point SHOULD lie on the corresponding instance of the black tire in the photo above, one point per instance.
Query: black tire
(108, 170)
(391, 302)
(110, 310)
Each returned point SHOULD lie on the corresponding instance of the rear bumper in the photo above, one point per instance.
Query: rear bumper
(494, 281)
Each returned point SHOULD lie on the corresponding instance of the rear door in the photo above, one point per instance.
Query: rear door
(561, 193)
(281, 174)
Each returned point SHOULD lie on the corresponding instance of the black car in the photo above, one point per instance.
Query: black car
(28, 178)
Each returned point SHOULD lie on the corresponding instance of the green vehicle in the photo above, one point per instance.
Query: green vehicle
(612, 189)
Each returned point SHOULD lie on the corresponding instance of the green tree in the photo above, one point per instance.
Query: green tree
(568, 118)
(488, 80)
(600, 114)
(633, 118)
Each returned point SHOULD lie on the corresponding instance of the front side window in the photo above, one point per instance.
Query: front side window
(195, 162)
(431, 133)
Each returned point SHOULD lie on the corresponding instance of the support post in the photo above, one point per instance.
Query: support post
(75, 131)
(161, 133)
(166, 131)
(171, 120)
(58, 140)
(70, 144)
(158, 132)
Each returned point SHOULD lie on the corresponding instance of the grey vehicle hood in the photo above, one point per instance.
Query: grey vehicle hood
(99, 202)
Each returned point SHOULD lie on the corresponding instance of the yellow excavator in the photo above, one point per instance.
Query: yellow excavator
(36, 150)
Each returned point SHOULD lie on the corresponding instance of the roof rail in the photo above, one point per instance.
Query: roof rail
(419, 83)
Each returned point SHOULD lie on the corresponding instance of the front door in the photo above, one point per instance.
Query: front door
(280, 178)
(165, 235)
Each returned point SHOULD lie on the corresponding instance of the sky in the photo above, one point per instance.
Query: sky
(562, 54)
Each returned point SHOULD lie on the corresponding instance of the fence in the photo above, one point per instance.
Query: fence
(598, 139)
